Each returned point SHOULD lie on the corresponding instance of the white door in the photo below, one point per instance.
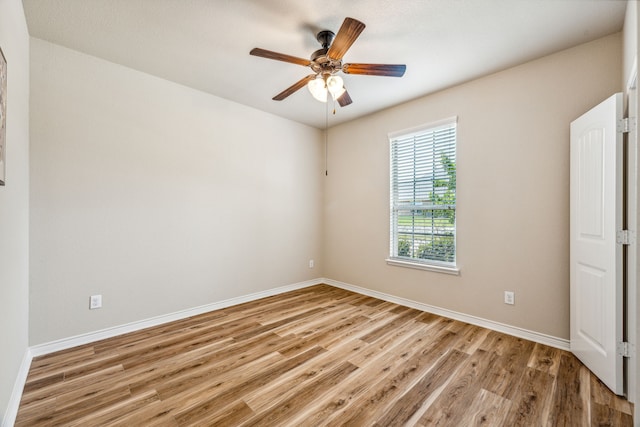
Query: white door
(595, 257)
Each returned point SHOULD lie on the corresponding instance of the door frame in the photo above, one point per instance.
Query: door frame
(632, 370)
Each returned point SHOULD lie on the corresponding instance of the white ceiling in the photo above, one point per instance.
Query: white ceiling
(205, 44)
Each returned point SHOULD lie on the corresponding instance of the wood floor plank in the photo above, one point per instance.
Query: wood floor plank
(110, 414)
(505, 375)
(180, 376)
(309, 324)
(409, 403)
(366, 408)
(545, 359)
(471, 337)
(227, 356)
(288, 384)
(324, 333)
(367, 381)
(184, 342)
(606, 416)
(144, 377)
(37, 410)
(231, 416)
(80, 406)
(291, 407)
(137, 339)
(427, 317)
(534, 399)
(455, 399)
(487, 409)
(43, 380)
(193, 389)
(568, 405)
(316, 356)
(381, 309)
(151, 415)
(600, 394)
(394, 336)
(402, 317)
(61, 358)
(270, 327)
(59, 389)
(231, 391)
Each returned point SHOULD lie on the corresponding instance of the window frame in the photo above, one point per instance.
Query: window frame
(411, 262)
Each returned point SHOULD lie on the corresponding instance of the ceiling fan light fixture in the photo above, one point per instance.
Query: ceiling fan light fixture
(328, 61)
(318, 89)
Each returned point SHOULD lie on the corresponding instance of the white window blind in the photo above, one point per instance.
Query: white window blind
(423, 194)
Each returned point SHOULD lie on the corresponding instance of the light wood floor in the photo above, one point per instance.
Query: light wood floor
(317, 356)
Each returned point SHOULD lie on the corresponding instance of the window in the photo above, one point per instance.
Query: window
(423, 196)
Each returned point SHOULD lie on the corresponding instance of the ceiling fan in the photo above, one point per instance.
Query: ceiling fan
(327, 62)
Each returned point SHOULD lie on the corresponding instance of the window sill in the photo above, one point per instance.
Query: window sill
(420, 266)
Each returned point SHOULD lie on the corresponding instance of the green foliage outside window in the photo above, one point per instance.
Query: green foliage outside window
(441, 244)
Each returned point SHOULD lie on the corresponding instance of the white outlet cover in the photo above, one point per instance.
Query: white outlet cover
(95, 301)
(509, 297)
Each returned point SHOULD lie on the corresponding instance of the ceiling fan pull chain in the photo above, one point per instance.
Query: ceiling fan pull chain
(326, 139)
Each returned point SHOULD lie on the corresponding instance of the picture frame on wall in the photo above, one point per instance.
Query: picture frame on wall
(3, 116)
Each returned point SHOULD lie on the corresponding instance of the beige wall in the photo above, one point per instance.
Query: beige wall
(629, 41)
(14, 202)
(159, 197)
(513, 189)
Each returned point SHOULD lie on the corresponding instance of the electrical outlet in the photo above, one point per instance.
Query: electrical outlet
(95, 301)
(509, 297)
(311, 263)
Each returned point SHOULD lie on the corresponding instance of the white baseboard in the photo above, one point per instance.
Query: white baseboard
(11, 412)
(538, 337)
(65, 343)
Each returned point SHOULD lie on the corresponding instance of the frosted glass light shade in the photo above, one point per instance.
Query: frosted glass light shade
(317, 89)
(335, 85)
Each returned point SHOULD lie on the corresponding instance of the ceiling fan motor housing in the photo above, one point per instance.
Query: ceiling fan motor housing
(320, 62)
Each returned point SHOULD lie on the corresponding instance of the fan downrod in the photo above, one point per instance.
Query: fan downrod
(325, 38)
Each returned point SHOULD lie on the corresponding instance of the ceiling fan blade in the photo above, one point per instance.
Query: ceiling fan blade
(344, 99)
(389, 70)
(293, 88)
(256, 51)
(347, 34)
